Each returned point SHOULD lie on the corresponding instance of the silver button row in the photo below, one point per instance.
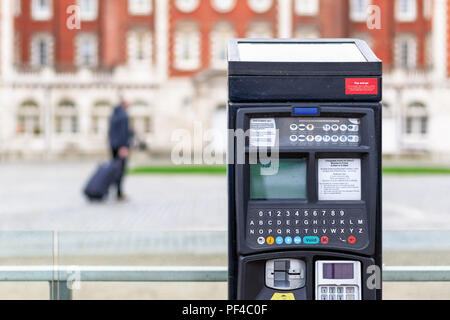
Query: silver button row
(326, 138)
(326, 127)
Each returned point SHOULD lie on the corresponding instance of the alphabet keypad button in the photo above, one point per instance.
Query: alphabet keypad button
(306, 227)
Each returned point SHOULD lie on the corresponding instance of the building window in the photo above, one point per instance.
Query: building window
(88, 9)
(416, 121)
(260, 6)
(220, 35)
(359, 10)
(139, 48)
(223, 6)
(139, 7)
(260, 29)
(187, 5)
(100, 117)
(405, 52)
(187, 46)
(406, 10)
(306, 7)
(17, 8)
(306, 32)
(141, 121)
(42, 50)
(28, 118)
(41, 9)
(87, 50)
(66, 118)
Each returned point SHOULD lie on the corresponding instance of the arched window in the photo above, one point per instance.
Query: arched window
(101, 113)
(140, 118)
(66, 117)
(416, 120)
(29, 118)
(221, 33)
(187, 46)
(260, 29)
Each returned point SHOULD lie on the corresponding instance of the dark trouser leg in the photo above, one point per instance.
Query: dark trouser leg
(115, 155)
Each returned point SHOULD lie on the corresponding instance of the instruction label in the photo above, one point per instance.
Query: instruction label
(339, 179)
(263, 132)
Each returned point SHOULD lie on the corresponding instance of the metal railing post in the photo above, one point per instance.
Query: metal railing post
(59, 290)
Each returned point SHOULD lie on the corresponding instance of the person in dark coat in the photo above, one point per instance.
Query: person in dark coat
(119, 141)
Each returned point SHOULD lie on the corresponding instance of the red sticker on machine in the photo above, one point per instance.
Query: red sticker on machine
(361, 86)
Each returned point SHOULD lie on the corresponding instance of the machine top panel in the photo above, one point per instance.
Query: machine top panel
(300, 52)
(293, 57)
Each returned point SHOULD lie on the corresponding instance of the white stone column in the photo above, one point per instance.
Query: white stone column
(284, 18)
(440, 39)
(162, 39)
(7, 39)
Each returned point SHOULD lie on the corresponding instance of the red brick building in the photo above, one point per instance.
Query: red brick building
(168, 57)
(112, 31)
(104, 23)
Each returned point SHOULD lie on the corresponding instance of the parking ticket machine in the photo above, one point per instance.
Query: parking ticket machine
(304, 171)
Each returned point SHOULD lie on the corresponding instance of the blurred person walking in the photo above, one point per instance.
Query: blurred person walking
(119, 140)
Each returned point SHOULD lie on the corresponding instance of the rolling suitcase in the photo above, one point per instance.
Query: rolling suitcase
(98, 186)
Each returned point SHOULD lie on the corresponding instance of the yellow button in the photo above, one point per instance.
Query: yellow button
(283, 296)
(270, 240)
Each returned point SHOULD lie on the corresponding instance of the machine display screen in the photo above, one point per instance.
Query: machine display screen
(287, 181)
(338, 271)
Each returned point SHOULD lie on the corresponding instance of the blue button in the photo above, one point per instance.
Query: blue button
(288, 240)
(297, 240)
(311, 240)
(279, 240)
(306, 111)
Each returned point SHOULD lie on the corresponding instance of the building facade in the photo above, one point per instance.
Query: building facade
(65, 63)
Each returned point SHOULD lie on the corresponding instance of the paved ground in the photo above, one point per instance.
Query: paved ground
(47, 196)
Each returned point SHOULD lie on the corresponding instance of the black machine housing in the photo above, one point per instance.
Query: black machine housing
(278, 90)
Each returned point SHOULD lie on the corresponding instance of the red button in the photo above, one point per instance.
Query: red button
(324, 239)
(351, 239)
